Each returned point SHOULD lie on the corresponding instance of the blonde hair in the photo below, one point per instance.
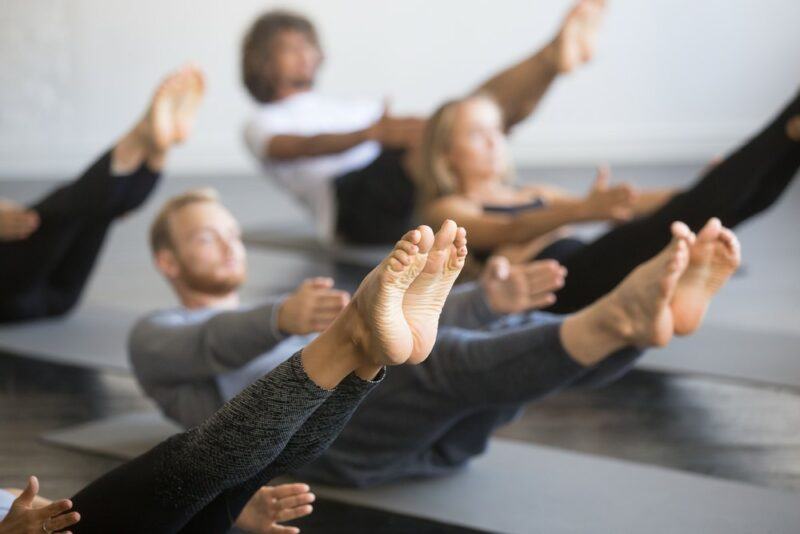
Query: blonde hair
(437, 178)
(160, 235)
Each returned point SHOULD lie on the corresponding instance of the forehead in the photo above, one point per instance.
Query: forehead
(201, 214)
(477, 111)
(291, 37)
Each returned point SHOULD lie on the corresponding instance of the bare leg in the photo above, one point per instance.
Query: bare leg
(637, 312)
(167, 122)
(520, 88)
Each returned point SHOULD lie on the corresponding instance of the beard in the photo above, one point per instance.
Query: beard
(217, 286)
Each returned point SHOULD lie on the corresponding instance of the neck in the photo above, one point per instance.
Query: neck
(285, 92)
(480, 186)
(194, 299)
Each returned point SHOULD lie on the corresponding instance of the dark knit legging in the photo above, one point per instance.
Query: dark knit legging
(747, 182)
(199, 480)
(45, 274)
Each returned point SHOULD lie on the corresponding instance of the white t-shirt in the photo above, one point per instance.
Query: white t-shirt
(310, 179)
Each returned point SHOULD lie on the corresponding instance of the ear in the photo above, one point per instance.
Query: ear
(167, 263)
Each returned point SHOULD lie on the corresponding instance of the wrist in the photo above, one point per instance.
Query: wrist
(282, 324)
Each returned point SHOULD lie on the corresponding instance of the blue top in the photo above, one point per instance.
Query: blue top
(5, 503)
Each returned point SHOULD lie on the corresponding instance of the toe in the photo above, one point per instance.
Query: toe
(426, 238)
(446, 235)
(711, 230)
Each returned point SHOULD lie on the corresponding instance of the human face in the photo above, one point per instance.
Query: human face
(478, 150)
(209, 255)
(294, 62)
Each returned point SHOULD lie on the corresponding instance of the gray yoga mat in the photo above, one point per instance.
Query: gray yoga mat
(737, 353)
(299, 238)
(93, 336)
(123, 436)
(521, 488)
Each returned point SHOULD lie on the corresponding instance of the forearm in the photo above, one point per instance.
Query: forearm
(519, 88)
(288, 147)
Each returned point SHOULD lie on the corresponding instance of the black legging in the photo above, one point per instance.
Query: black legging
(749, 181)
(199, 481)
(44, 275)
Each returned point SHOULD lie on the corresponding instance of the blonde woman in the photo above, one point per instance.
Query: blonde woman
(467, 176)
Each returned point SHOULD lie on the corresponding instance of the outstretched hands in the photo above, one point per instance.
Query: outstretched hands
(25, 517)
(393, 131)
(518, 288)
(312, 307)
(16, 221)
(273, 504)
(610, 202)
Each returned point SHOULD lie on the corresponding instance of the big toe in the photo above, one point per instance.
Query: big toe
(711, 230)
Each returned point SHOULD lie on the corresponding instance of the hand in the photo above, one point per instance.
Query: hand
(606, 202)
(23, 518)
(396, 132)
(16, 221)
(312, 307)
(518, 288)
(269, 505)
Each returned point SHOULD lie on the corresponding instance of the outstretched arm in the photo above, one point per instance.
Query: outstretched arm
(519, 88)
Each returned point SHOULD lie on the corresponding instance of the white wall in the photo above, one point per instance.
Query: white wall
(674, 80)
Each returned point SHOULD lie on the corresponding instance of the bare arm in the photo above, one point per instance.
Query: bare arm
(289, 147)
(487, 231)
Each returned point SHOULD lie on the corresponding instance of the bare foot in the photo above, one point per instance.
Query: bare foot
(713, 258)
(640, 306)
(793, 128)
(576, 42)
(173, 108)
(16, 221)
(397, 305)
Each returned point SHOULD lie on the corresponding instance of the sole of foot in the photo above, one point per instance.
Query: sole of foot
(641, 303)
(172, 111)
(577, 40)
(399, 302)
(713, 258)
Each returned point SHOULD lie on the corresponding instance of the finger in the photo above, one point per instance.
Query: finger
(294, 513)
(542, 301)
(542, 266)
(602, 177)
(63, 521)
(321, 282)
(280, 529)
(55, 508)
(334, 298)
(293, 501)
(28, 494)
(287, 490)
(546, 283)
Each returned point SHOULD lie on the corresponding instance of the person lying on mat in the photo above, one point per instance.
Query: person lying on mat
(23, 511)
(48, 249)
(199, 480)
(484, 367)
(353, 163)
(467, 173)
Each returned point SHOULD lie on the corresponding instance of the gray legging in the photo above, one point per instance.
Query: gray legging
(430, 419)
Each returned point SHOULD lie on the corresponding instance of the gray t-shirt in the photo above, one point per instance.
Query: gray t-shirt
(192, 361)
